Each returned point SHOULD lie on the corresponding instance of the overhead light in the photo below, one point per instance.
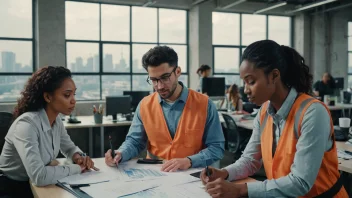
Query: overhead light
(270, 7)
(198, 2)
(233, 4)
(148, 3)
(311, 6)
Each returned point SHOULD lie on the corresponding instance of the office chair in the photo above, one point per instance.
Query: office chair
(237, 139)
(5, 123)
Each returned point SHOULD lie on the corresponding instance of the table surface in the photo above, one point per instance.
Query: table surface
(345, 165)
(88, 121)
(53, 191)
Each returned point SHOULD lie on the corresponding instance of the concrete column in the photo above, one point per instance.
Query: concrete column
(302, 37)
(200, 39)
(320, 45)
(50, 33)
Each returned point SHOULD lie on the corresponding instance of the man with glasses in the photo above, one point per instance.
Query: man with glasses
(175, 123)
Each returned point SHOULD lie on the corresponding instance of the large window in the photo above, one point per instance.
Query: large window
(16, 47)
(233, 32)
(349, 54)
(105, 44)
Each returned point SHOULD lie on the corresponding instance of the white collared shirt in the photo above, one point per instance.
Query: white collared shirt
(31, 144)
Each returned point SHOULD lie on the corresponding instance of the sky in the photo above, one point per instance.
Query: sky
(16, 21)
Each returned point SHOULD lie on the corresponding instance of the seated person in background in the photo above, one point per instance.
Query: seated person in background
(203, 71)
(175, 123)
(37, 134)
(324, 87)
(235, 98)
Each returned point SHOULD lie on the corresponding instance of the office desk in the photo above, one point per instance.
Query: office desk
(344, 165)
(246, 124)
(53, 191)
(88, 122)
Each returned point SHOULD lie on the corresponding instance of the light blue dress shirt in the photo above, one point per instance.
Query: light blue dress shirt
(213, 137)
(313, 142)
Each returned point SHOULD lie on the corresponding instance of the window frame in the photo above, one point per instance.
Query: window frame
(240, 46)
(349, 52)
(101, 43)
(32, 39)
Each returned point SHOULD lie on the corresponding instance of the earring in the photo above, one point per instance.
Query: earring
(49, 101)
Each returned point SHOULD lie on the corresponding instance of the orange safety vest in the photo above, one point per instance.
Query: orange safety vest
(279, 165)
(189, 133)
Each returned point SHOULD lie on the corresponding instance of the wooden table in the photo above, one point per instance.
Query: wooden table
(88, 122)
(53, 191)
(344, 165)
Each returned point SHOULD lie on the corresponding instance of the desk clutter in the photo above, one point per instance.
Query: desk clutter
(133, 180)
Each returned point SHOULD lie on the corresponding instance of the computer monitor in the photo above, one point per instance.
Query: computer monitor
(339, 82)
(136, 97)
(117, 104)
(214, 86)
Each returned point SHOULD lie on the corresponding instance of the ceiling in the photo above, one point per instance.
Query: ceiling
(245, 6)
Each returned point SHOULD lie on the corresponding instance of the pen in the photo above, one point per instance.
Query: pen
(100, 108)
(207, 172)
(94, 168)
(94, 109)
(112, 150)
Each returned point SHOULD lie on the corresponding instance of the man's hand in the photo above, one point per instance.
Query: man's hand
(224, 189)
(112, 162)
(214, 174)
(175, 164)
(86, 162)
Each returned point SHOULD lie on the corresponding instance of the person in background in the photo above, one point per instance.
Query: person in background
(37, 135)
(203, 71)
(175, 123)
(293, 134)
(325, 86)
(234, 98)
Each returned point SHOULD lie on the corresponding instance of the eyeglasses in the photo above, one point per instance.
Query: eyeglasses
(164, 79)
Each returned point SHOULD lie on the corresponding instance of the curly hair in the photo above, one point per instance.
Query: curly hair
(268, 55)
(159, 55)
(46, 79)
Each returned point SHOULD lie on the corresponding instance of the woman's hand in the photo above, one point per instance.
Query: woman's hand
(85, 162)
(214, 174)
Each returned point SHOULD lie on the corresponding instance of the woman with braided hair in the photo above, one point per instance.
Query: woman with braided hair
(293, 134)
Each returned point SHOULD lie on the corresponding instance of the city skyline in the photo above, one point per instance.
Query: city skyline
(9, 64)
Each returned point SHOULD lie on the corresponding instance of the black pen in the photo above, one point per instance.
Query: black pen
(112, 150)
(207, 171)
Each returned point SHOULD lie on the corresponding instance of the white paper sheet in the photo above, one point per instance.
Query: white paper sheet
(115, 188)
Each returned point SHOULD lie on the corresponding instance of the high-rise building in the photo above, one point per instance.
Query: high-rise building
(96, 63)
(79, 64)
(108, 64)
(8, 61)
(90, 63)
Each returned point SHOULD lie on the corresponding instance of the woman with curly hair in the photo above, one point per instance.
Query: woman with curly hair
(37, 135)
